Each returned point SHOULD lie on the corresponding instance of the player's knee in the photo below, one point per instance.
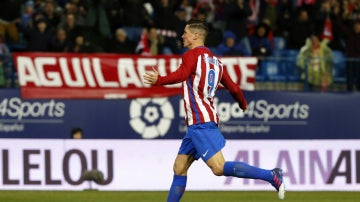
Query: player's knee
(216, 166)
(218, 171)
(179, 169)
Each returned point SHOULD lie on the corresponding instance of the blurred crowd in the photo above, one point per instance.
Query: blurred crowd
(152, 27)
(238, 27)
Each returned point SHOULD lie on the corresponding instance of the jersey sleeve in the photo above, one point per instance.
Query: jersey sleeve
(186, 67)
(234, 90)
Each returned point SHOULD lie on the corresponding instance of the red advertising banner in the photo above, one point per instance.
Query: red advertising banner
(109, 76)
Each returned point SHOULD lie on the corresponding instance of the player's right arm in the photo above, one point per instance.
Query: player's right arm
(185, 69)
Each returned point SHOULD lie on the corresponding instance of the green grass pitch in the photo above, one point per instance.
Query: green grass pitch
(190, 196)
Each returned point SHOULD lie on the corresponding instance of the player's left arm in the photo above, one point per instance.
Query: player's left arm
(234, 90)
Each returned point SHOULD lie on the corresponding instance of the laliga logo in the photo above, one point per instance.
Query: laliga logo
(151, 118)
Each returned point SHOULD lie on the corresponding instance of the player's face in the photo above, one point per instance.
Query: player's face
(187, 37)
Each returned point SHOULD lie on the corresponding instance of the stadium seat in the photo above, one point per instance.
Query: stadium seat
(279, 43)
(288, 65)
(279, 46)
(339, 65)
(271, 71)
(260, 75)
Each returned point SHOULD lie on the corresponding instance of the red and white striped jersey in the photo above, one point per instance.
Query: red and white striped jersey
(201, 72)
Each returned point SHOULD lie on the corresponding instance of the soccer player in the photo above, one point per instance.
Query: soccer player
(201, 73)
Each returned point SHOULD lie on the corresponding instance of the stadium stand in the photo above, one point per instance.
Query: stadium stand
(278, 67)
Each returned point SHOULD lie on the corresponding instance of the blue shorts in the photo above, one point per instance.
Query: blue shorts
(202, 141)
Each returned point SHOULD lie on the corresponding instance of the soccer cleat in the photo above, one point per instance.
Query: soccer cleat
(278, 182)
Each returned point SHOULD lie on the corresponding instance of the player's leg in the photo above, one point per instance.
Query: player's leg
(219, 167)
(181, 166)
(209, 142)
(216, 163)
(244, 170)
(186, 156)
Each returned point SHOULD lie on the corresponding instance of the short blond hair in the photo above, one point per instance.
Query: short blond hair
(200, 25)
